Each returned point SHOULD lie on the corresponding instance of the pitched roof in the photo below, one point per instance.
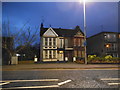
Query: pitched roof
(63, 32)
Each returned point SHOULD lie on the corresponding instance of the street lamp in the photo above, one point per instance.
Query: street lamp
(84, 7)
(84, 10)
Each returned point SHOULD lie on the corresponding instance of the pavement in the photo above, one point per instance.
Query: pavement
(53, 66)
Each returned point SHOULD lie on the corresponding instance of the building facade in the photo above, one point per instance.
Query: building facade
(58, 44)
(104, 43)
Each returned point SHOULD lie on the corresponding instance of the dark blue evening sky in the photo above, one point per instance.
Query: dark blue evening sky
(100, 16)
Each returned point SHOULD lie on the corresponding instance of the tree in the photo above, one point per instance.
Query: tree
(29, 52)
(22, 37)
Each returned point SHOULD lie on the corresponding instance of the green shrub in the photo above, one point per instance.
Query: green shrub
(91, 56)
(105, 59)
(108, 57)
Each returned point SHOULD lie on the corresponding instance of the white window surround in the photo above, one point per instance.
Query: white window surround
(52, 43)
(61, 42)
(48, 53)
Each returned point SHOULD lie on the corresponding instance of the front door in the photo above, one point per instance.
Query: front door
(61, 56)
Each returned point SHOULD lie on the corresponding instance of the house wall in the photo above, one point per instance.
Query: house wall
(49, 51)
(52, 46)
(64, 47)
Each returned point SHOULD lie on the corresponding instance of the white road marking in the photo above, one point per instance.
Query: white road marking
(50, 86)
(4, 83)
(61, 83)
(110, 79)
(31, 80)
(113, 83)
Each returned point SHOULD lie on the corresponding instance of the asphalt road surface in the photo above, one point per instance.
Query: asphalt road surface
(62, 78)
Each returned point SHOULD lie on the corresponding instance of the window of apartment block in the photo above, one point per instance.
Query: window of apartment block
(110, 37)
(114, 46)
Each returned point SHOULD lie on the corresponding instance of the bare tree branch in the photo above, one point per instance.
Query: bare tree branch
(23, 37)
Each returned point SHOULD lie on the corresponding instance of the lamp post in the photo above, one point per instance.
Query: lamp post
(84, 9)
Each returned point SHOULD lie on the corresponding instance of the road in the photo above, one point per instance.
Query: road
(60, 78)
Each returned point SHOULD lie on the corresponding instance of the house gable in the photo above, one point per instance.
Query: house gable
(78, 34)
(50, 33)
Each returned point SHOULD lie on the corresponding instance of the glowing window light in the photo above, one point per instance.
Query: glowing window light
(107, 45)
(61, 52)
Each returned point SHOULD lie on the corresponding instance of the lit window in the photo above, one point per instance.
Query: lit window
(46, 54)
(54, 54)
(108, 35)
